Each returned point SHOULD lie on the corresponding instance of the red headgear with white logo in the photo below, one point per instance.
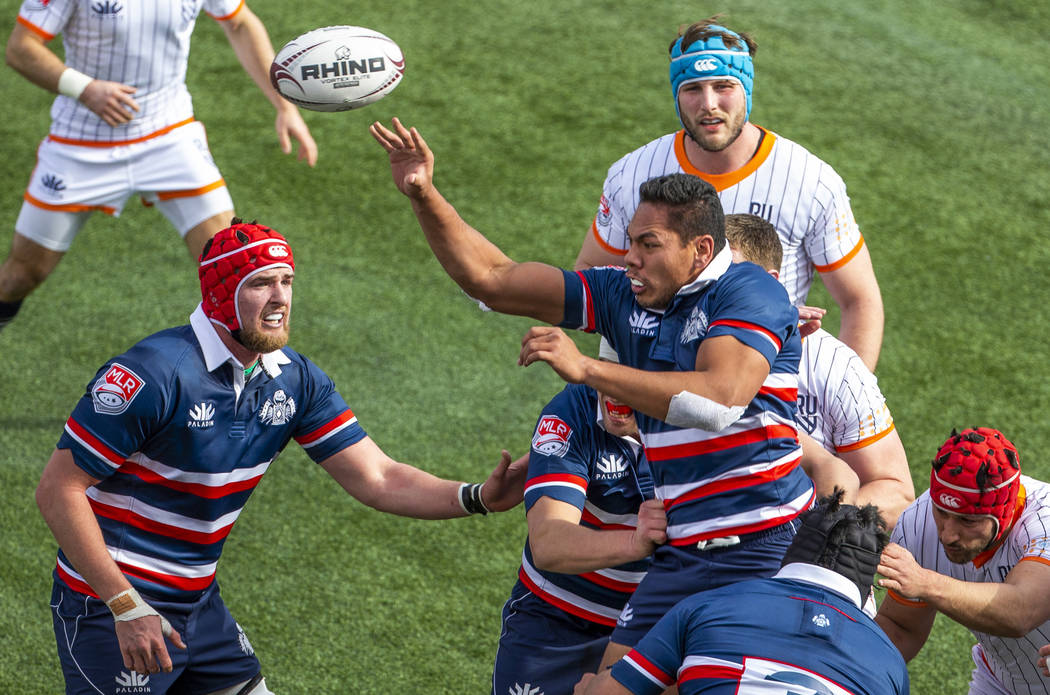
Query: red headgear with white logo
(231, 257)
(977, 472)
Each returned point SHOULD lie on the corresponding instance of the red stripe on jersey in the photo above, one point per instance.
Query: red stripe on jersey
(562, 604)
(609, 583)
(729, 441)
(126, 516)
(749, 327)
(693, 673)
(787, 395)
(718, 486)
(209, 492)
(94, 443)
(826, 605)
(169, 580)
(591, 519)
(741, 530)
(650, 668)
(311, 437)
(588, 303)
(557, 478)
(74, 583)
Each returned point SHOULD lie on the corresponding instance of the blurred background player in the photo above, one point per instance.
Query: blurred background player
(840, 405)
(123, 124)
(161, 454)
(709, 353)
(593, 523)
(976, 547)
(802, 629)
(755, 171)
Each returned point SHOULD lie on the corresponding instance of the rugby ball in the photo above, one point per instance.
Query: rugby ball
(337, 68)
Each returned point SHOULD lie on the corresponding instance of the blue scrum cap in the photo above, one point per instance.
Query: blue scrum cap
(710, 59)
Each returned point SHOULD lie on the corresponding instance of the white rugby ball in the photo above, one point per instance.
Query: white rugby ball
(337, 68)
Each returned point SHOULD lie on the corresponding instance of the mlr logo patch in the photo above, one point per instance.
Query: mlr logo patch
(114, 390)
(552, 436)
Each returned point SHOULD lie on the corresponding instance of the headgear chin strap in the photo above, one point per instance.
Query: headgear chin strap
(231, 257)
(841, 537)
(977, 472)
(709, 59)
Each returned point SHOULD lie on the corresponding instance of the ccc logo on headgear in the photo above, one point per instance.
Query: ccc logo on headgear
(277, 251)
(705, 65)
(950, 501)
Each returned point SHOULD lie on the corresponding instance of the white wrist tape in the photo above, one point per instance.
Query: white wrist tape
(128, 605)
(694, 411)
(72, 83)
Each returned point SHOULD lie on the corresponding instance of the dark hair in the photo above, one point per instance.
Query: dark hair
(841, 537)
(756, 239)
(702, 30)
(693, 207)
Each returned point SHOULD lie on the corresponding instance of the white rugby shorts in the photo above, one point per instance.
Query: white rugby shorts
(174, 171)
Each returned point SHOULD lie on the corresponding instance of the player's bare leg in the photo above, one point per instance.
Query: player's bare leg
(199, 234)
(26, 268)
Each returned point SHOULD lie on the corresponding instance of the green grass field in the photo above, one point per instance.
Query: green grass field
(935, 115)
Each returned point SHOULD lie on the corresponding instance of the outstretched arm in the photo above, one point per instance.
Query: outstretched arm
(380, 482)
(477, 265)
(250, 41)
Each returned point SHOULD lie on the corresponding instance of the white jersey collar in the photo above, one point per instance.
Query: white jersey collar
(821, 576)
(714, 270)
(217, 354)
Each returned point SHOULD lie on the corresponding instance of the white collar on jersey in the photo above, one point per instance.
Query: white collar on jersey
(821, 576)
(714, 270)
(217, 354)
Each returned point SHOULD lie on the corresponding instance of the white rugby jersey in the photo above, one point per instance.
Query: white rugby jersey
(839, 401)
(1013, 661)
(141, 43)
(784, 183)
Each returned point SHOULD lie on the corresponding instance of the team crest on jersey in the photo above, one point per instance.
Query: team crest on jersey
(643, 323)
(604, 212)
(278, 409)
(552, 436)
(242, 640)
(695, 326)
(806, 414)
(113, 392)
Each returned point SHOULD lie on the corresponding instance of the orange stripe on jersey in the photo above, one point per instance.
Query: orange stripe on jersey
(867, 441)
(191, 193)
(230, 15)
(905, 601)
(35, 29)
(114, 143)
(842, 261)
(1043, 560)
(724, 181)
(601, 242)
(67, 208)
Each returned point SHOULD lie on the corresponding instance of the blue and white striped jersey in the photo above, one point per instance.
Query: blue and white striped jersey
(747, 477)
(576, 461)
(178, 442)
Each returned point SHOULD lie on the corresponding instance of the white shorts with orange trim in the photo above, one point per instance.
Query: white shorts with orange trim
(174, 171)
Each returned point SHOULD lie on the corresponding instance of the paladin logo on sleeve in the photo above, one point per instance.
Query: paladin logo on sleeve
(114, 390)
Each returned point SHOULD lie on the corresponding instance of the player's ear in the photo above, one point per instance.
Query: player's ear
(703, 249)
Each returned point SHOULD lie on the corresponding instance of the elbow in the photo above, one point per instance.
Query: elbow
(542, 557)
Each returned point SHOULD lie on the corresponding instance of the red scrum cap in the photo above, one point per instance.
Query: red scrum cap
(977, 472)
(231, 257)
